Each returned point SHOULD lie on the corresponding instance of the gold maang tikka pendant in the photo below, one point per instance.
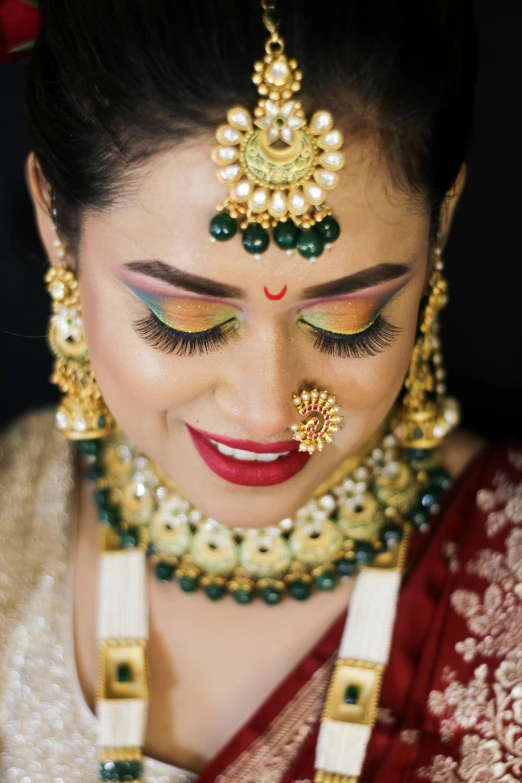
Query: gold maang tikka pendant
(278, 168)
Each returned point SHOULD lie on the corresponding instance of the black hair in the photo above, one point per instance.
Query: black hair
(112, 82)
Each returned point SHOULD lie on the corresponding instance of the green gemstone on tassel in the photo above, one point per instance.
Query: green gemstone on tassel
(243, 597)
(189, 584)
(223, 227)
(255, 239)
(309, 243)
(300, 590)
(271, 595)
(285, 235)
(164, 571)
(329, 229)
(326, 581)
(214, 592)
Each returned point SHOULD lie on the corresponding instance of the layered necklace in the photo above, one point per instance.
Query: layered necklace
(358, 522)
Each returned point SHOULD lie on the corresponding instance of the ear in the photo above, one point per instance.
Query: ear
(41, 198)
(450, 204)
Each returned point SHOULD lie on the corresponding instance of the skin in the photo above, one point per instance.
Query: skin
(242, 391)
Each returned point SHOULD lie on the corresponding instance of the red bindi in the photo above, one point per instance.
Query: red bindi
(275, 297)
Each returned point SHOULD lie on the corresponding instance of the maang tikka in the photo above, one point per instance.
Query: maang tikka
(278, 167)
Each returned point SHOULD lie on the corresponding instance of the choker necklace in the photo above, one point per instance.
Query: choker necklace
(357, 519)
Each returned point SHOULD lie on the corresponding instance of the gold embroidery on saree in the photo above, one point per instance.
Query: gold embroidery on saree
(487, 709)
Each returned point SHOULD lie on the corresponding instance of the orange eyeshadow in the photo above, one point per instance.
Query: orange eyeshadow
(348, 316)
(187, 314)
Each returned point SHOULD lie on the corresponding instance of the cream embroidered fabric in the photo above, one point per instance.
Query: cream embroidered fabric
(47, 732)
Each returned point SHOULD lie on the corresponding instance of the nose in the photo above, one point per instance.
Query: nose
(255, 392)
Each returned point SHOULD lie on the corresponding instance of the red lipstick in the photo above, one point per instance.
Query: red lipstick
(249, 473)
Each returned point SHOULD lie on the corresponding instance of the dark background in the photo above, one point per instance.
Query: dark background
(481, 327)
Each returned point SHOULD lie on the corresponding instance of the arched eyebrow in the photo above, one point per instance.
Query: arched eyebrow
(365, 278)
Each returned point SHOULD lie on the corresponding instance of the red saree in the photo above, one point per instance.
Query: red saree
(451, 703)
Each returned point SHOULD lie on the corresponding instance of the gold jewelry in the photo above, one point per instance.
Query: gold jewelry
(323, 418)
(278, 167)
(82, 412)
(426, 415)
(336, 532)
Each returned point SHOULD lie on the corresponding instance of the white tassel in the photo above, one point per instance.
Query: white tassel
(368, 631)
(341, 747)
(122, 596)
(122, 722)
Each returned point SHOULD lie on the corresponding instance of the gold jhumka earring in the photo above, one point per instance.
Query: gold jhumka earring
(278, 167)
(426, 415)
(82, 413)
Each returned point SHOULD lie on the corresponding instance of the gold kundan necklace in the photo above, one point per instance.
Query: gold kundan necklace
(358, 522)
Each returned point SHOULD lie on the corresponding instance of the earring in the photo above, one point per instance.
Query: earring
(323, 418)
(425, 415)
(82, 413)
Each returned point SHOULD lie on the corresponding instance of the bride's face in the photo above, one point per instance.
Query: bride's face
(193, 342)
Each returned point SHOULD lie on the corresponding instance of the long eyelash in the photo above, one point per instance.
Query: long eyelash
(377, 338)
(170, 340)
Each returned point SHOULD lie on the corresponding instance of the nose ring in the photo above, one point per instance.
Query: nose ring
(322, 419)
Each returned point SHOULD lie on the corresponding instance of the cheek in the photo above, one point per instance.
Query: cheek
(130, 373)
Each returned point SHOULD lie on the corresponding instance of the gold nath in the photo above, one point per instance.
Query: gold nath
(278, 167)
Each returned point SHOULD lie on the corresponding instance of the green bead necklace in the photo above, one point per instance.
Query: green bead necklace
(359, 520)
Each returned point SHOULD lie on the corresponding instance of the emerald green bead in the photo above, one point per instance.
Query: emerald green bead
(351, 694)
(243, 596)
(125, 770)
(416, 455)
(108, 771)
(346, 567)
(189, 584)
(89, 448)
(255, 239)
(109, 515)
(364, 552)
(431, 497)
(102, 497)
(94, 472)
(300, 590)
(164, 571)
(329, 229)
(271, 595)
(137, 769)
(129, 538)
(102, 421)
(285, 235)
(223, 227)
(326, 581)
(391, 534)
(124, 672)
(440, 478)
(418, 516)
(418, 433)
(309, 243)
(214, 592)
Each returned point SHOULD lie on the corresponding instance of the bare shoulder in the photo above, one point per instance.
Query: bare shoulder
(460, 448)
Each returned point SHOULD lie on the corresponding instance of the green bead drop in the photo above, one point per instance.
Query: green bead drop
(391, 534)
(416, 455)
(285, 235)
(243, 597)
(94, 472)
(164, 571)
(124, 673)
(189, 584)
(364, 552)
(418, 517)
(309, 243)
(129, 538)
(108, 771)
(346, 567)
(431, 497)
(440, 478)
(223, 227)
(326, 581)
(271, 595)
(89, 448)
(214, 592)
(255, 239)
(300, 590)
(329, 229)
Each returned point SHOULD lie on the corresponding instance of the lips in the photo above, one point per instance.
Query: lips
(241, 465)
